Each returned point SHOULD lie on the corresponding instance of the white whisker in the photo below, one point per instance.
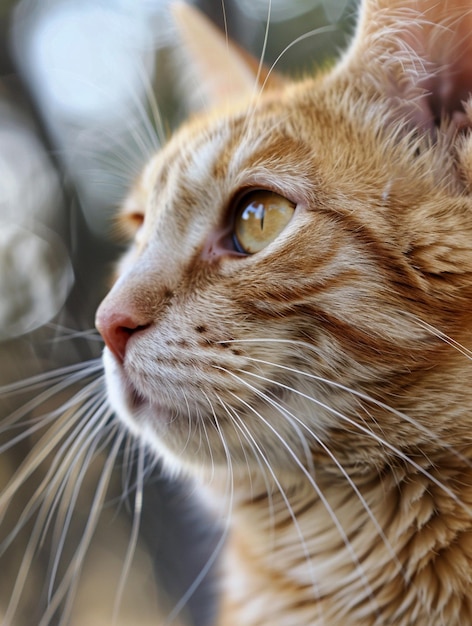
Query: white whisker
(66, 334)
(179, 606)
(35, 458)
(70, 579)
(81, 371)
(264, 47)
(67, 492)
(225, 23)
(260, 454)
(233, 415)
(374, 436)
(363, 396)
(316, 31)
(315, 486)
(283, 410)
(133, 540)
(440, 335)
(46, 487)
(202, 422)
(156, 140)
(83, 420)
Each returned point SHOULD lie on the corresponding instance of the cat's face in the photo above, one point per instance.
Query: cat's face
(290, 261)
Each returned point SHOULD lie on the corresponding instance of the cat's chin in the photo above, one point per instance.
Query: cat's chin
(130, 406)
(149, 422)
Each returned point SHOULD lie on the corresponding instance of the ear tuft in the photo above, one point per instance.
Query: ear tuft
(420, 54)
(218, 71)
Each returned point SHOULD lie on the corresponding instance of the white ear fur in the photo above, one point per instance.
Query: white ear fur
(218, 71)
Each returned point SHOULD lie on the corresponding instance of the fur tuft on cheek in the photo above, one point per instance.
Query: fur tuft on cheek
(442, 244)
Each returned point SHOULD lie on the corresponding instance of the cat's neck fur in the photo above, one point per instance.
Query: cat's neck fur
(334, 364)
(375, 548)
(397, 579)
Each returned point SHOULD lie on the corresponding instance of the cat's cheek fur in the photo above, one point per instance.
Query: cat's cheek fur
(345, 404)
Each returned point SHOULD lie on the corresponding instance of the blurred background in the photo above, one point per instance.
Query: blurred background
(86, 89)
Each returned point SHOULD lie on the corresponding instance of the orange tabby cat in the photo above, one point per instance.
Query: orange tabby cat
(291, 322)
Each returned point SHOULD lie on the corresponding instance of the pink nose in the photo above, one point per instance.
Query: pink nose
(116, 327)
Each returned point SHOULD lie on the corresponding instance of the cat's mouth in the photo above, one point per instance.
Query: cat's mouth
(119, 381)
(132, 406)
(141, 407)
(134, 399)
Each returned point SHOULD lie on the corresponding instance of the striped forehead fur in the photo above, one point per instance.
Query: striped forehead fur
(318, 385)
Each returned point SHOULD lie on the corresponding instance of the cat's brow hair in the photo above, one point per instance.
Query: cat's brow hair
(316, 391)
(363, 269)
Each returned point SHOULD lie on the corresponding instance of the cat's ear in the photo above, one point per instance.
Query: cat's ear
(217, 71)
(421, 52)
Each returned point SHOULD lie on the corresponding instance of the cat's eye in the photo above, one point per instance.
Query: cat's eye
(260, 217)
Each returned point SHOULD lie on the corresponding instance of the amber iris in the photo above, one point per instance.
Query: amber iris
(260, 217)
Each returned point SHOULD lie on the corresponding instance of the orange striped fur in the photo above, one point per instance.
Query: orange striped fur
(319, 389)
